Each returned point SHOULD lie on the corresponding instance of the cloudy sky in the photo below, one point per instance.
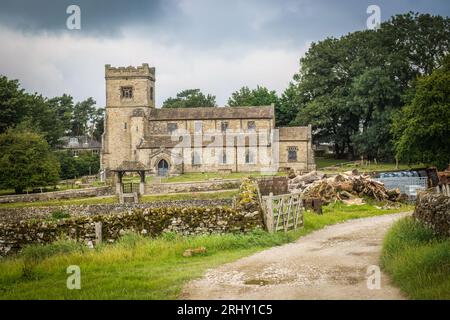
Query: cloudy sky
(215, 45)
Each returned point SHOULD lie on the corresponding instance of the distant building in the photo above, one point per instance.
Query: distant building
(80, 144)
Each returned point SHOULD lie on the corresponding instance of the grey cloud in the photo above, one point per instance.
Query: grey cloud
(209, 23)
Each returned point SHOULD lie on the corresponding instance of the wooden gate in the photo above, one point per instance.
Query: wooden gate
(130, 187)
(283, 212)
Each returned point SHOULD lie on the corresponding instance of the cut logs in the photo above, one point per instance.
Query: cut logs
(342, 187)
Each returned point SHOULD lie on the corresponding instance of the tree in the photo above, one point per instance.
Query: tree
(261, 96)
(87, 163)
(191, 98)
(82, 116)
(26, 161)
(14, 103)
(422, 128)
(287, 107)
(98, 124)
(67, 164)
(349, 88)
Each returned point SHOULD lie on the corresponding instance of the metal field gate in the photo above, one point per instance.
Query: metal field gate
(407, 185)
(282, 212)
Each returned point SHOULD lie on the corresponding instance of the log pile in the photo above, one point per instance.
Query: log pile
(345, 186)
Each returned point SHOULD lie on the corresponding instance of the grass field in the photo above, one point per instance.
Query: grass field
(113, 199)
(342, 165)
(145, 268)
(198, 176)
(417, 260)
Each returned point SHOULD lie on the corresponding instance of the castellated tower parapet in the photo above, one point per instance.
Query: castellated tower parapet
(143, 71)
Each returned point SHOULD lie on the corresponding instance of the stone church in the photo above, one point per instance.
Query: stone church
(165, 141)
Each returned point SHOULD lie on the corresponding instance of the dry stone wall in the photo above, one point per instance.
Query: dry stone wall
(15, 215)
(198, 186)
(57, 195)
(149, 221)
(433, 210)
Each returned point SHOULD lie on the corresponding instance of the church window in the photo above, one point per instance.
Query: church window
(126, 92)
(251, 125)
(292, 153)
(224, 126)
(196, 158)
(249, 158)
(198, 127)
(223, 157)
(172, 127)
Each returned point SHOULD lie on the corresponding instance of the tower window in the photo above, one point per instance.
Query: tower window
(151, 93)
(126, 92)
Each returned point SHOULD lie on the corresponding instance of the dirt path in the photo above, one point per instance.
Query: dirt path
(327, 264)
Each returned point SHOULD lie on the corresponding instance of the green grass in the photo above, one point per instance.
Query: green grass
(342, 165)
(145, 268)
(417, 260)
(113, 199)
(227, 194)
(195, 177)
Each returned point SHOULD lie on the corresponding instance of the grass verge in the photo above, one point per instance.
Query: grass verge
(342, 165)
(145, 268)
(417, 260)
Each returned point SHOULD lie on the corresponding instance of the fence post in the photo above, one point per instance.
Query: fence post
(269, 213)
(98, 232)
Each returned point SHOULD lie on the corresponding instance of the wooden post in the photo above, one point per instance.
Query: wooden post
(269, 213)
(98, 233)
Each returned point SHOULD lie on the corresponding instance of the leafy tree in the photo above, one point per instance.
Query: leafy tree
(422, 128)
(349, 88)
(67, 164)
(82, 116)
(26, 161)
(261, 96)
(87, 163)
(288, 106)
(64, 108)
(191, 98)
(98, 120)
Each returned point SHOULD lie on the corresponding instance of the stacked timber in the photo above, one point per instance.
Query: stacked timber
(348, 185)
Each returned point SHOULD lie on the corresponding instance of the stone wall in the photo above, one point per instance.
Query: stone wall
(433, 210)
(57, 195)
(149, 221)
(276, 185)
(15, 215)
(225, 184)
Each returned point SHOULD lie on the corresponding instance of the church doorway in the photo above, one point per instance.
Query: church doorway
(163, 168)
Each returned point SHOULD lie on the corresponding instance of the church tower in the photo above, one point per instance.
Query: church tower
(130, 94)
